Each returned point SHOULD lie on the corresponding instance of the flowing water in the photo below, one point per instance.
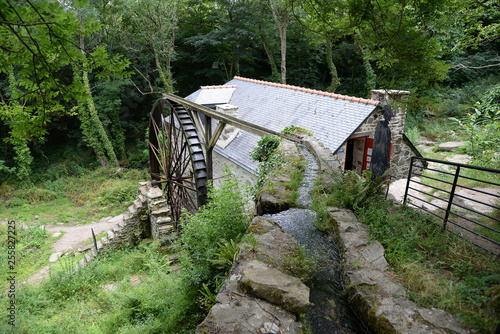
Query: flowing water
(330, 311)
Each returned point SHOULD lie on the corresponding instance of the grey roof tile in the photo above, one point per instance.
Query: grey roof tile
(331, 120)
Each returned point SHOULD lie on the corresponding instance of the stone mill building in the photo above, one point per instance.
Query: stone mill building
(356, 131)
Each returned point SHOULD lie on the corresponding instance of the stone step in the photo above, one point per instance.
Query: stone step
(161, 211)
(163, 221)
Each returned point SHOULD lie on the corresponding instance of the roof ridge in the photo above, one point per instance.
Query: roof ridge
(311, 91)
(218, 86)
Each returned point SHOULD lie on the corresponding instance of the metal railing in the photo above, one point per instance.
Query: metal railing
(465, 198)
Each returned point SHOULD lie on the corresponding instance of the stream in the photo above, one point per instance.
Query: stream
(329, 311)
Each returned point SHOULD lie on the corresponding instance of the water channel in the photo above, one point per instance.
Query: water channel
(330, 311)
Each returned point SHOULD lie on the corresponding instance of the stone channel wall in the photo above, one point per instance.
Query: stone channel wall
(383, 303)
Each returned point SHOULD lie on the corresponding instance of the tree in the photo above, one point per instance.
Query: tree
(328, 20)
(281, 14)
(39, 53)
(396, 35)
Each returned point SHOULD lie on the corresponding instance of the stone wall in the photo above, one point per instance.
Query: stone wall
(147, 217)
(220, 163)
(383, 303)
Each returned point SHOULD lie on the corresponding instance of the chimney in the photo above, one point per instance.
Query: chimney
(395, 99)
(230, 132)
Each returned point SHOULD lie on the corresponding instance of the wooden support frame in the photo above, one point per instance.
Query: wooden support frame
(205, 130)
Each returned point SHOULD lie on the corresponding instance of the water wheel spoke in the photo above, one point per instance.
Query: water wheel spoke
(184, 185)
(172, 158)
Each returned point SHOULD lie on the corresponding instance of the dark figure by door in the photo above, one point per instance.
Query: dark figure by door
(381, 144)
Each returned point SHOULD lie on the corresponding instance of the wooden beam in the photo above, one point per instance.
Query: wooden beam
(199, 124)
(208, 135)
(241, 124)
(215, 136)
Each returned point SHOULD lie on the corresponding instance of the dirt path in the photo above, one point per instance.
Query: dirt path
(77, 235)
(73, 237)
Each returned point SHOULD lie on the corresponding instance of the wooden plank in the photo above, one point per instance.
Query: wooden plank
(241, 124)
(215, 136)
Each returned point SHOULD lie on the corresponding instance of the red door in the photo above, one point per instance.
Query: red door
(367, 155)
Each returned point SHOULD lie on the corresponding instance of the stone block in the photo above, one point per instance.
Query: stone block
(154, 193)
(54, 257)
(116, 220)
(104, 241)
(373, 253)
(272, 285)
(164, 210)
(111, 235)
(88, 257)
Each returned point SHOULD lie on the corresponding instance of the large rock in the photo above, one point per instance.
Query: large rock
(274, 286)
(248, 316)
(450, 146)
(257, 297)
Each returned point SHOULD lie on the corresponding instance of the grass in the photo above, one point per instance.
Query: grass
(80, 301)
(437, 268)
(33, 249)
(79, 199)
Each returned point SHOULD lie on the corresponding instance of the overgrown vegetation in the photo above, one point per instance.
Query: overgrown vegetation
(135, 289)
(437, 268)
(74, 195)
(126, 291)
(221, 220)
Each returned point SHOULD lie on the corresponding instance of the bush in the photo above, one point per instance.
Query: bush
(265, 148)
(349, 190)
(223, 218)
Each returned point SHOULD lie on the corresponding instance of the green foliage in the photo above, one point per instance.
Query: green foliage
(275, 160)
(115, 196)
(482, 126)
(265, 148)
(300, 264)
(439, 269)
(208, 298)
(222, 218)
(349, 190)
(69, 281)
(295, 130)
(228, 252)
(146, 297)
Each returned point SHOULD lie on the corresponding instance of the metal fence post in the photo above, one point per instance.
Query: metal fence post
(452, 194)
(408, 181)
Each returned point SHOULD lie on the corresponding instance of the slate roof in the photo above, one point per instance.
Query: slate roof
(332, 118)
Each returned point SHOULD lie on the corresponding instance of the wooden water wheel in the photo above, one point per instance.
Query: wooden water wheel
(177, 161)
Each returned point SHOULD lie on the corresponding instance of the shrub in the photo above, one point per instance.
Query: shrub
(265, 148)
(349, 190)
(222, 218)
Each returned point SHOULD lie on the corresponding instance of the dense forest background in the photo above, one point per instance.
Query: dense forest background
(78, 78)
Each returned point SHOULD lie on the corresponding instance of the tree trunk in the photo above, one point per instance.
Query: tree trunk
(335, 81)
(283, 52)
(166, 78)
(281, 17)
(92, 127)
(97, 124)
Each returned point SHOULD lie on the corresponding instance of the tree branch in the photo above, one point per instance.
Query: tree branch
(462, 66)
(19, 24)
